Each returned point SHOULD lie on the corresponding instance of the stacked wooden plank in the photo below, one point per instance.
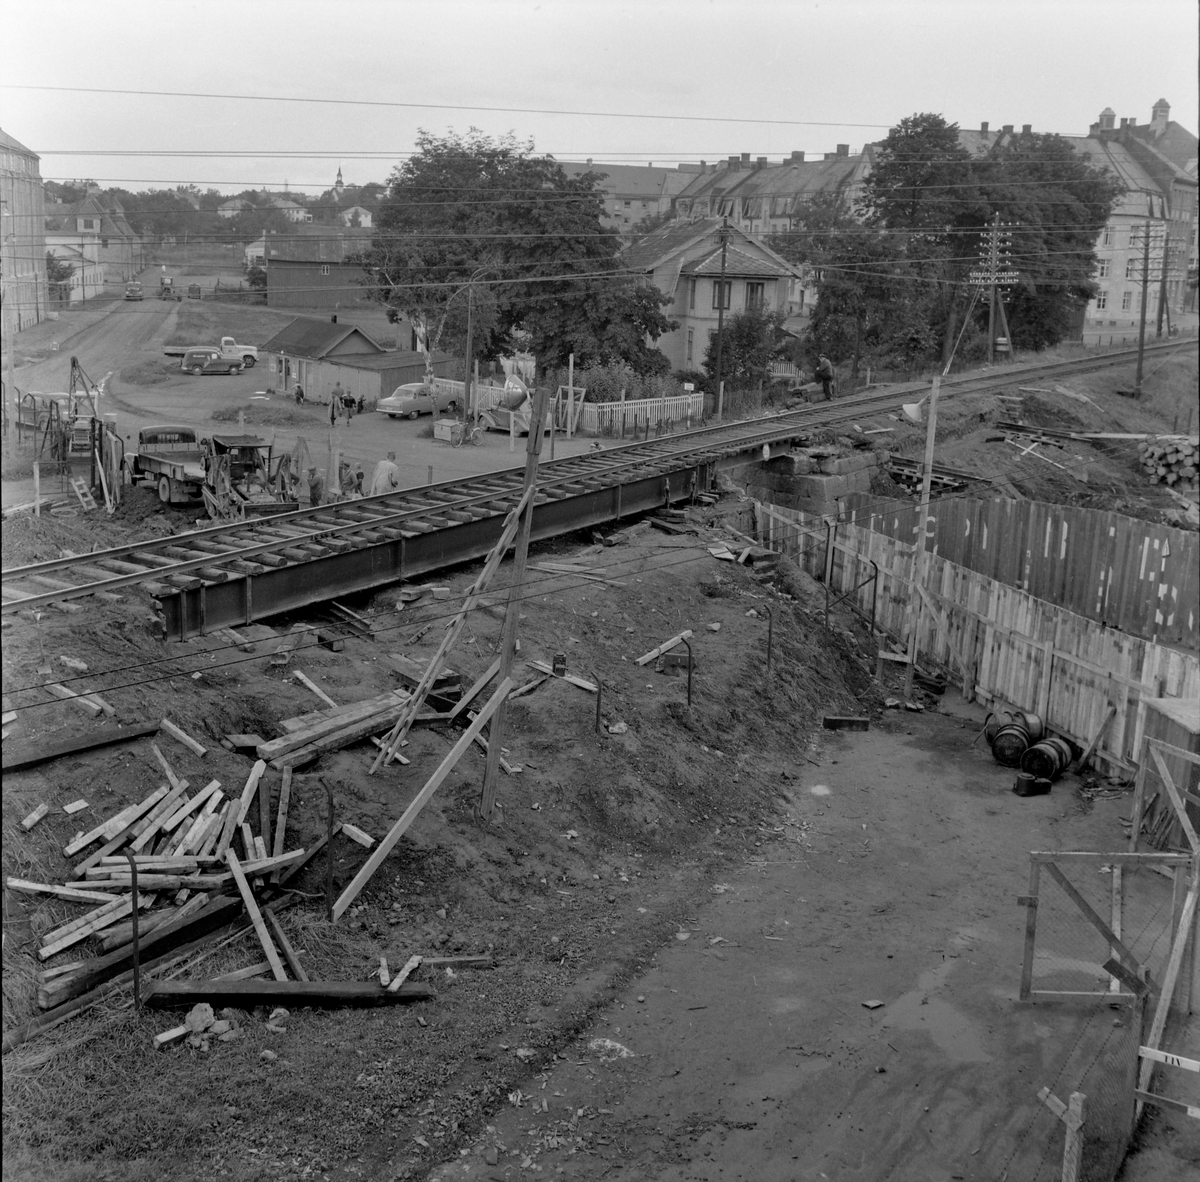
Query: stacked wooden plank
(309, 735)
(1171, 461)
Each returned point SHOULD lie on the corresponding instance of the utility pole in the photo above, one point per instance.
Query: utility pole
(1162, 283)
(921, 540)
(992, 290)
(467, 375)
(1137, 385)
(508, 641)
(721, 289)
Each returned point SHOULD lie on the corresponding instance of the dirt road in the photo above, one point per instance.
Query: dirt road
(749, 1050)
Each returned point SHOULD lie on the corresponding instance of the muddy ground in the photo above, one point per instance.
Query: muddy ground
(732, 856)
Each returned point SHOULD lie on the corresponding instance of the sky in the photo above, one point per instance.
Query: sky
(658, 81)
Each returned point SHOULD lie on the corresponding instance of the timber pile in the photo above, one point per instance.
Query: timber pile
(1170, 461)
(189, 878)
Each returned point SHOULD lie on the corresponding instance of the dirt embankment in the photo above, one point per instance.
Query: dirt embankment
(604, 839)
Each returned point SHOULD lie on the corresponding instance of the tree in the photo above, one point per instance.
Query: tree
(752, 340)
(59, 274)
(1055, 204)
(471, 219)
(819, 226)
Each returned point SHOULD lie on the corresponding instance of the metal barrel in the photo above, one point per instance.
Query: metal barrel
(1047, 759)
(1010, 744)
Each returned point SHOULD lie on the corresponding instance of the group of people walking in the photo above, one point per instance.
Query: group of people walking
(341, 404)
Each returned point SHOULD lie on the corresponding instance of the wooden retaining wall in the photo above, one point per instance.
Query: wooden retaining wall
(1129, 574)
(1006, 645)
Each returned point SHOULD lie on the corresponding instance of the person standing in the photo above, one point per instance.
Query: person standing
(298, 393)
(386, 476)
(316, 488)
(824, 375)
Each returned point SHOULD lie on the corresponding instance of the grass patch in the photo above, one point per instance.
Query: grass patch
(268, 416)
(149, 371)
(201, 322)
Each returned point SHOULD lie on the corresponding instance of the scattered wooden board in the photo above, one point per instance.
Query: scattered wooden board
(182, 737)
(19, 756)
(75, 894)
(35, 816)
(256, 918)
(165, 995)
(543, 667)
(356, 834)
(410, 967)
(666, 646)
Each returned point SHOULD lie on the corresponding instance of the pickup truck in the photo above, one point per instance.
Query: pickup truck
(170, 458)
(245, 355)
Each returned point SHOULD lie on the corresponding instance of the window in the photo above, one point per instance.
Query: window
(1101, 300)
(1102, 268)
(1106, 237)
(754, 295)
(325, 269)
(628, 204)
(722, 293)
(691, 340)
(1131, 268)
(89, 223)
(1126, 301)
(691, 294)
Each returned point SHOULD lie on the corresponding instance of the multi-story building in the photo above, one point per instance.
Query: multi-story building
(683, 259)
(634, 192)
(22, 237)
(307, 267)
(1158, 204)
(73, 236)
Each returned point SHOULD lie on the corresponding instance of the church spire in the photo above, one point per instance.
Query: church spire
(339, 185)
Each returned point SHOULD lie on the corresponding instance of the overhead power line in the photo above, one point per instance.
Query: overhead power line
(338, 102)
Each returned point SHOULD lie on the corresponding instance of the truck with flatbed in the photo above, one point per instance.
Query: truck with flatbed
(232, 474)
(246, 355)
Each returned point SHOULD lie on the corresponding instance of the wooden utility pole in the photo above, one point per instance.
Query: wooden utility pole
(508, 641)
(923, 530)
(1162, 285)
(467, 376)
(1137, 385)
(721, 289)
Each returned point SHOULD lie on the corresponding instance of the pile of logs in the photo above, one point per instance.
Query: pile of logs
(1170, 460)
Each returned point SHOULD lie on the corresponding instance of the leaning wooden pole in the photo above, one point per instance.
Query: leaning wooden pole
(533, 453)
(391, 744)
(918, 572)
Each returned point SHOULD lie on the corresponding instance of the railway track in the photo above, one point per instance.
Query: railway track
(234, 574)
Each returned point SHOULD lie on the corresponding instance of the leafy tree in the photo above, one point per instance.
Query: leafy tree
(1055, 205)
(256, 277)
(59, 274)
(67, 192)
(819, 227)
(752, 340)
(468, 217)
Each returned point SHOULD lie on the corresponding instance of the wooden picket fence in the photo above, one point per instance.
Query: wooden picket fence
(606, 418)
(1004, 644)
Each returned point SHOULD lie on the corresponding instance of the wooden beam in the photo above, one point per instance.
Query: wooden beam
(168, 770)
(109, 828)
(473, 692)
(1091, 747)
(289, 952)
(405, 721)
(74, 894)
(666, 646)
(542, 667)
(19, 756)
(181, 736)
(165, 995)
(1093, 918)
(1185, 822)
(422, 798)
(260, 928)
(308, 683)
(285, 797)
(410, 966)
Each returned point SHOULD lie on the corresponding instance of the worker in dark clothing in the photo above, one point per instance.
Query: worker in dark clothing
(824, 375)
(316, 487)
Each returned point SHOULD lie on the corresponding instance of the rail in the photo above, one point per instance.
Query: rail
(239, 572)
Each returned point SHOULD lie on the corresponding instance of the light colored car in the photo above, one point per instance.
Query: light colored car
(416, 398)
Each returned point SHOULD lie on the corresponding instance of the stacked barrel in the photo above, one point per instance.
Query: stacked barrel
(1018, 739)
(1170, 461)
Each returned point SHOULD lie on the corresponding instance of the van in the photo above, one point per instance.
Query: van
(205, 361)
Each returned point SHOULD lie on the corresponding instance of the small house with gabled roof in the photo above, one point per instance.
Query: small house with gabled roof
(683, 260)
(320, 354)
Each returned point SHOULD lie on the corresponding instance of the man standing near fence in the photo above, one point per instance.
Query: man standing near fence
(386, 476)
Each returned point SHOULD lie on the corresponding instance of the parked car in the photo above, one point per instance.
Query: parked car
(416, 398)
(133, 291)
(202, 361)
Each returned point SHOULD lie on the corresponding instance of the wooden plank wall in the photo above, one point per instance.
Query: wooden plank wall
(1019, 649)
(1116, 570)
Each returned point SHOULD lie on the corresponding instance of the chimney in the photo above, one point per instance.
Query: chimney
(1027, 129)
(843, 149)
(589, 160)
(745, 157)
(1008, 129)
(649, 163)
(1124, 124)
(1160, 116)
(761, 162)
(733, 164)
(797, 157)
(983, 129)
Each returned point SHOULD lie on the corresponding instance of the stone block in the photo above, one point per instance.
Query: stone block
(844, 465)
